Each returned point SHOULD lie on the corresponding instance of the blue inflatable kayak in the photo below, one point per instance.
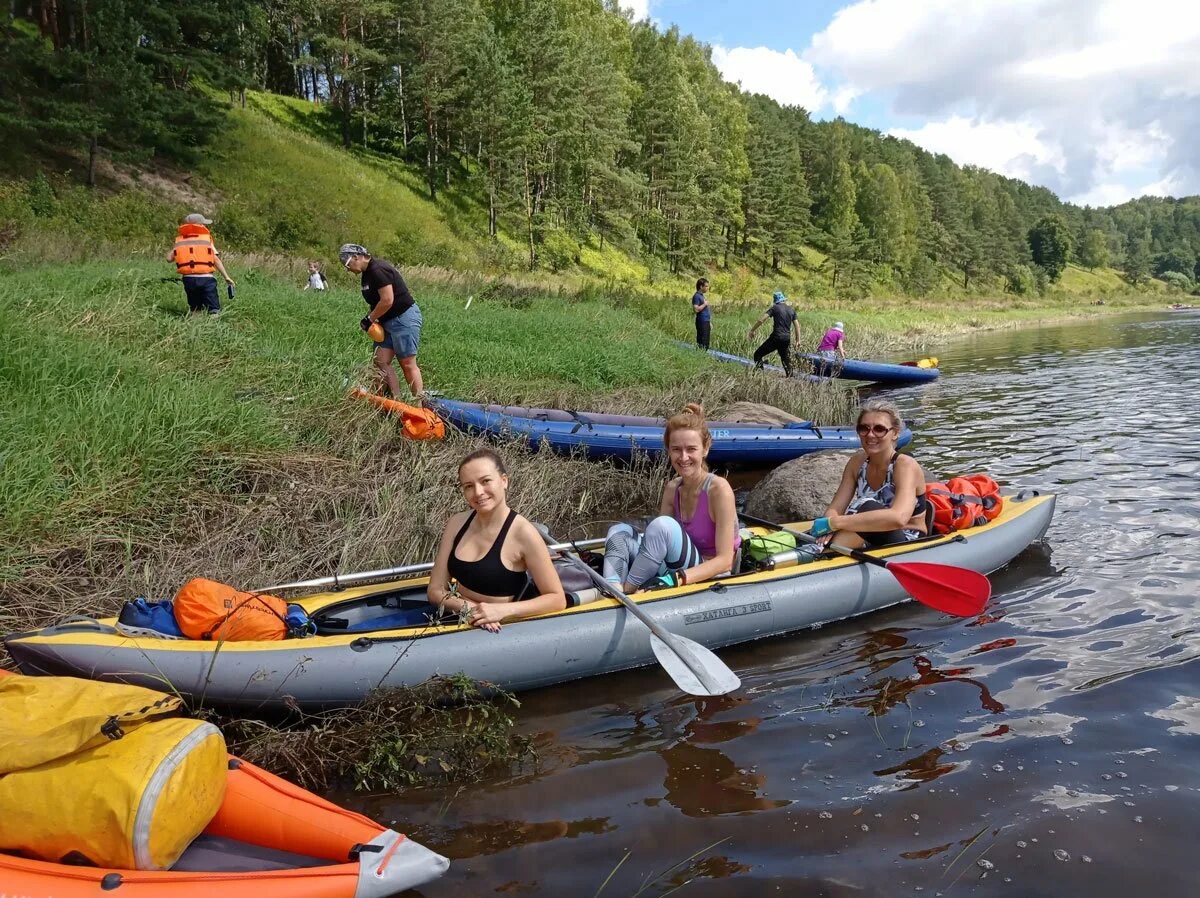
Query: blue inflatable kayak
(749, 363)
(619, 436)
(917, 372)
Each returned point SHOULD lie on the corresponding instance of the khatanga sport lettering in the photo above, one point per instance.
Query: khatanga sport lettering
(733, 611)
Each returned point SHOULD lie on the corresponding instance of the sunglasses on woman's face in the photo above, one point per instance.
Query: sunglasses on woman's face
(876, 429)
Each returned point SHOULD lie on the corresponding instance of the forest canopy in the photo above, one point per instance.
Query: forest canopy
(571, 123)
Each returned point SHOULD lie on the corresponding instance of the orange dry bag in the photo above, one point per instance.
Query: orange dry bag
(206, 609)
(963, 502)
(422, 424)
(988, 505)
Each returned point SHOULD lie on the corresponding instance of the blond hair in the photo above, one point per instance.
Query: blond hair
(880, 407)
(691, 418)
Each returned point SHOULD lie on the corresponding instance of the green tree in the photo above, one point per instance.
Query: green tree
(1178, 259)
(880, 208)
(1137, 259)
(121, 76)
(1093, 249)
(1050, 245)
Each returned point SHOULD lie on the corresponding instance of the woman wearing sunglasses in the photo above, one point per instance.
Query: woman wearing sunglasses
(881, 499)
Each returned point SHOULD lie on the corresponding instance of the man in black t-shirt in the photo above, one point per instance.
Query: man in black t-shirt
(783, 331)
(392, 305)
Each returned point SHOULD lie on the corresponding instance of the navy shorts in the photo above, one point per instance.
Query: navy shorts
(202, 294)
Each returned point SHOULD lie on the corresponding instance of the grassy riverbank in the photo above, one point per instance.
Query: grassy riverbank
(143, 446)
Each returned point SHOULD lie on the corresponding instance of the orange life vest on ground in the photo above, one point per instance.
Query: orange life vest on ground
(206, 609)
(415, 423)
(194, 250)
(963, 502)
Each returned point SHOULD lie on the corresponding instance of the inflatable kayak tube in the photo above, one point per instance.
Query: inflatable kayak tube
(620, 436)
(750, 363)
(916, 372)
(382, 635)
(270, 839)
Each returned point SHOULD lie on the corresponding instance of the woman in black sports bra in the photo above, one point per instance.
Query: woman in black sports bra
(488, 554)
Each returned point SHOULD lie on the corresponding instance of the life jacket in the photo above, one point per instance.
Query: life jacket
(422, 424)
(416, 423)
(206, 609)
(194, 250)
(963, 502)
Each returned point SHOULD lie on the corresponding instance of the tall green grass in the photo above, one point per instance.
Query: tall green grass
(125, 420)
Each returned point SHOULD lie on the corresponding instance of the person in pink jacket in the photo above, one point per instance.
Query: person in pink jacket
(833, 344)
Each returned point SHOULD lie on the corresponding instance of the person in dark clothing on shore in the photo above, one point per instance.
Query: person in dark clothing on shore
(703, 314)
(393, 307)
(784, 331)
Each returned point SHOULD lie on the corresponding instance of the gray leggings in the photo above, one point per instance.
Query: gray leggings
(630, 557)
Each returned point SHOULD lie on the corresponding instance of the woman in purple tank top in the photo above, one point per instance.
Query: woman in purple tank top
(695, 536)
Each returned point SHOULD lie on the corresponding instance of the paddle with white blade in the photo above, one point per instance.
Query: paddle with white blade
(695, 669)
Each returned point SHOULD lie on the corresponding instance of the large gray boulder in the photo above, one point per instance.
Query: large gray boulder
(755, 413)
(798, 490)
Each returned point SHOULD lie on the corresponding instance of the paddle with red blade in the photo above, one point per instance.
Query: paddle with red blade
(954, 590)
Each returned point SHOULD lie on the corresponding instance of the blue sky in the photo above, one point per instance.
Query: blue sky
(1099, 100)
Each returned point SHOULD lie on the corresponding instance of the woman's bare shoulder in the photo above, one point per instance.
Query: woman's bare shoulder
(457, 519)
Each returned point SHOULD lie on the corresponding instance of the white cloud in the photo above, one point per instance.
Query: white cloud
(1092, 98)
(639, 8)
(1014, 149)
(784, 76)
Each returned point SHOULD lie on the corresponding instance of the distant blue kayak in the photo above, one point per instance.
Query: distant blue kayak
(921, 371)
(619, 436)
(749, 363)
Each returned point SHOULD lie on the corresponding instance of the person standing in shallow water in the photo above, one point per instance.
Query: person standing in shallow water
(783, 331)
(703, 313)
(393, 307)
(833, 344)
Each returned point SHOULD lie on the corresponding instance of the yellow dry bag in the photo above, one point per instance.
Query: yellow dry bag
(87, 775)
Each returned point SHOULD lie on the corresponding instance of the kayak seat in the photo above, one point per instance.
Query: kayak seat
(393, 619)
(219, 854)
(366, 614)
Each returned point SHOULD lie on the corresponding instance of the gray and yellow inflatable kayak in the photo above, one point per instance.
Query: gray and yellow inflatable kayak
(382, 635)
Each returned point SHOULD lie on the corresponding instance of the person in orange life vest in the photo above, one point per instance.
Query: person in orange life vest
(508, 552)
(393, 307)
(881, 498)
(196, 258)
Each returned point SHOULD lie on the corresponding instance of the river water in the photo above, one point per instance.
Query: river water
(1049, 747)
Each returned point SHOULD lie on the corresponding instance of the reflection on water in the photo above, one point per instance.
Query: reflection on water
(1053, 739)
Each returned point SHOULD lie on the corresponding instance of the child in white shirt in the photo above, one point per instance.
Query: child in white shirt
(316, 280)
